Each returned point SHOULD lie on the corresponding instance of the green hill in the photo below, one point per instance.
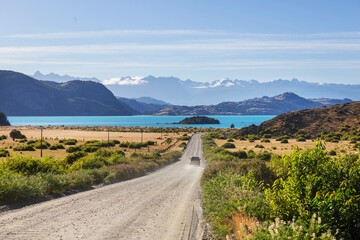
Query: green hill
(21, 95)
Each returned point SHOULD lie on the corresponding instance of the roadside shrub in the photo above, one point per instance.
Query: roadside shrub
(72, 157)
(228, 145)
(59, 183)
(31, 166)
(184, 138)
(183, 145)
(24, 148)
(296, 230)
(16, 188)
(325, 185)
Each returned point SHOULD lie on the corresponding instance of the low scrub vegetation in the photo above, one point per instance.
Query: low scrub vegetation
(309, 194)
(23, 178)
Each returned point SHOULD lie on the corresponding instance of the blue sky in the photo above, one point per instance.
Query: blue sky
(201, 40)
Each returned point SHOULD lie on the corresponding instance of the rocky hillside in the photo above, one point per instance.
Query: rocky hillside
(21, 95)
(310, 121)
(143, 107)
(257, 106)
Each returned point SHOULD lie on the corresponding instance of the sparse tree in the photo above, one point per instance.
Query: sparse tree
(16, 134)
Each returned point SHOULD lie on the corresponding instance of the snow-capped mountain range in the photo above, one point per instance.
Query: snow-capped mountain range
(187, 92)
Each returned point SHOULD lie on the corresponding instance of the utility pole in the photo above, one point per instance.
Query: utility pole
(41, 146)
(141, 135)
(108, 136)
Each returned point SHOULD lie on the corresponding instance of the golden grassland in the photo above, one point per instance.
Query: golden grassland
(282, 148)
(53, 134)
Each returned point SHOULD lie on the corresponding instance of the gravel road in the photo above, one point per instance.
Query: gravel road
(162, 205)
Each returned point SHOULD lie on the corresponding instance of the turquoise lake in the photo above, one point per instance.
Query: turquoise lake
(133, 121)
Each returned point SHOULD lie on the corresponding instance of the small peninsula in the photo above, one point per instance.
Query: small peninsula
(199, 120)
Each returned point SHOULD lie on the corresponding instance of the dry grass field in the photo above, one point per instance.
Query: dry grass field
(281, 148)
(53, 134)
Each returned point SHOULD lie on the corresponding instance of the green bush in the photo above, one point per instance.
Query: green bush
(31, 166)
(228, 145)
(267, 136)
(184, 138)
(57, 146)
(39, 145)
(259, 146)
(59, 183)
(332, 153)
(240, 154)
(73, 149)
(16, 188)
(266, 156)
(295, 230)
(251, 154)
(301, 139)
(68, 141)
(72, 157)
(4, 153)
(183, 145)
(284, 141)
(265, 140)
(318, 183)
(2, 137)
(24, 148)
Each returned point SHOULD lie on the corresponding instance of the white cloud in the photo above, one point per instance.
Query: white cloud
(125, 81)
(177, 32)
(109, 33)
(324, 46)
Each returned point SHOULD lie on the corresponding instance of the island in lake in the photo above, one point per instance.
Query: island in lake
(199, 120)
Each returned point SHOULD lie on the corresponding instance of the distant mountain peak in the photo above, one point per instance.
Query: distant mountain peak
(286, 95)
(59, 78)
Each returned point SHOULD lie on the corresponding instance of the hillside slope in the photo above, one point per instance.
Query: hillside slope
(142, 107)
(3, 120)
(310, 121)
(21, 95)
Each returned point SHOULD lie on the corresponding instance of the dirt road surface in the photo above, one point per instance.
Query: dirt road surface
(162, 205)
